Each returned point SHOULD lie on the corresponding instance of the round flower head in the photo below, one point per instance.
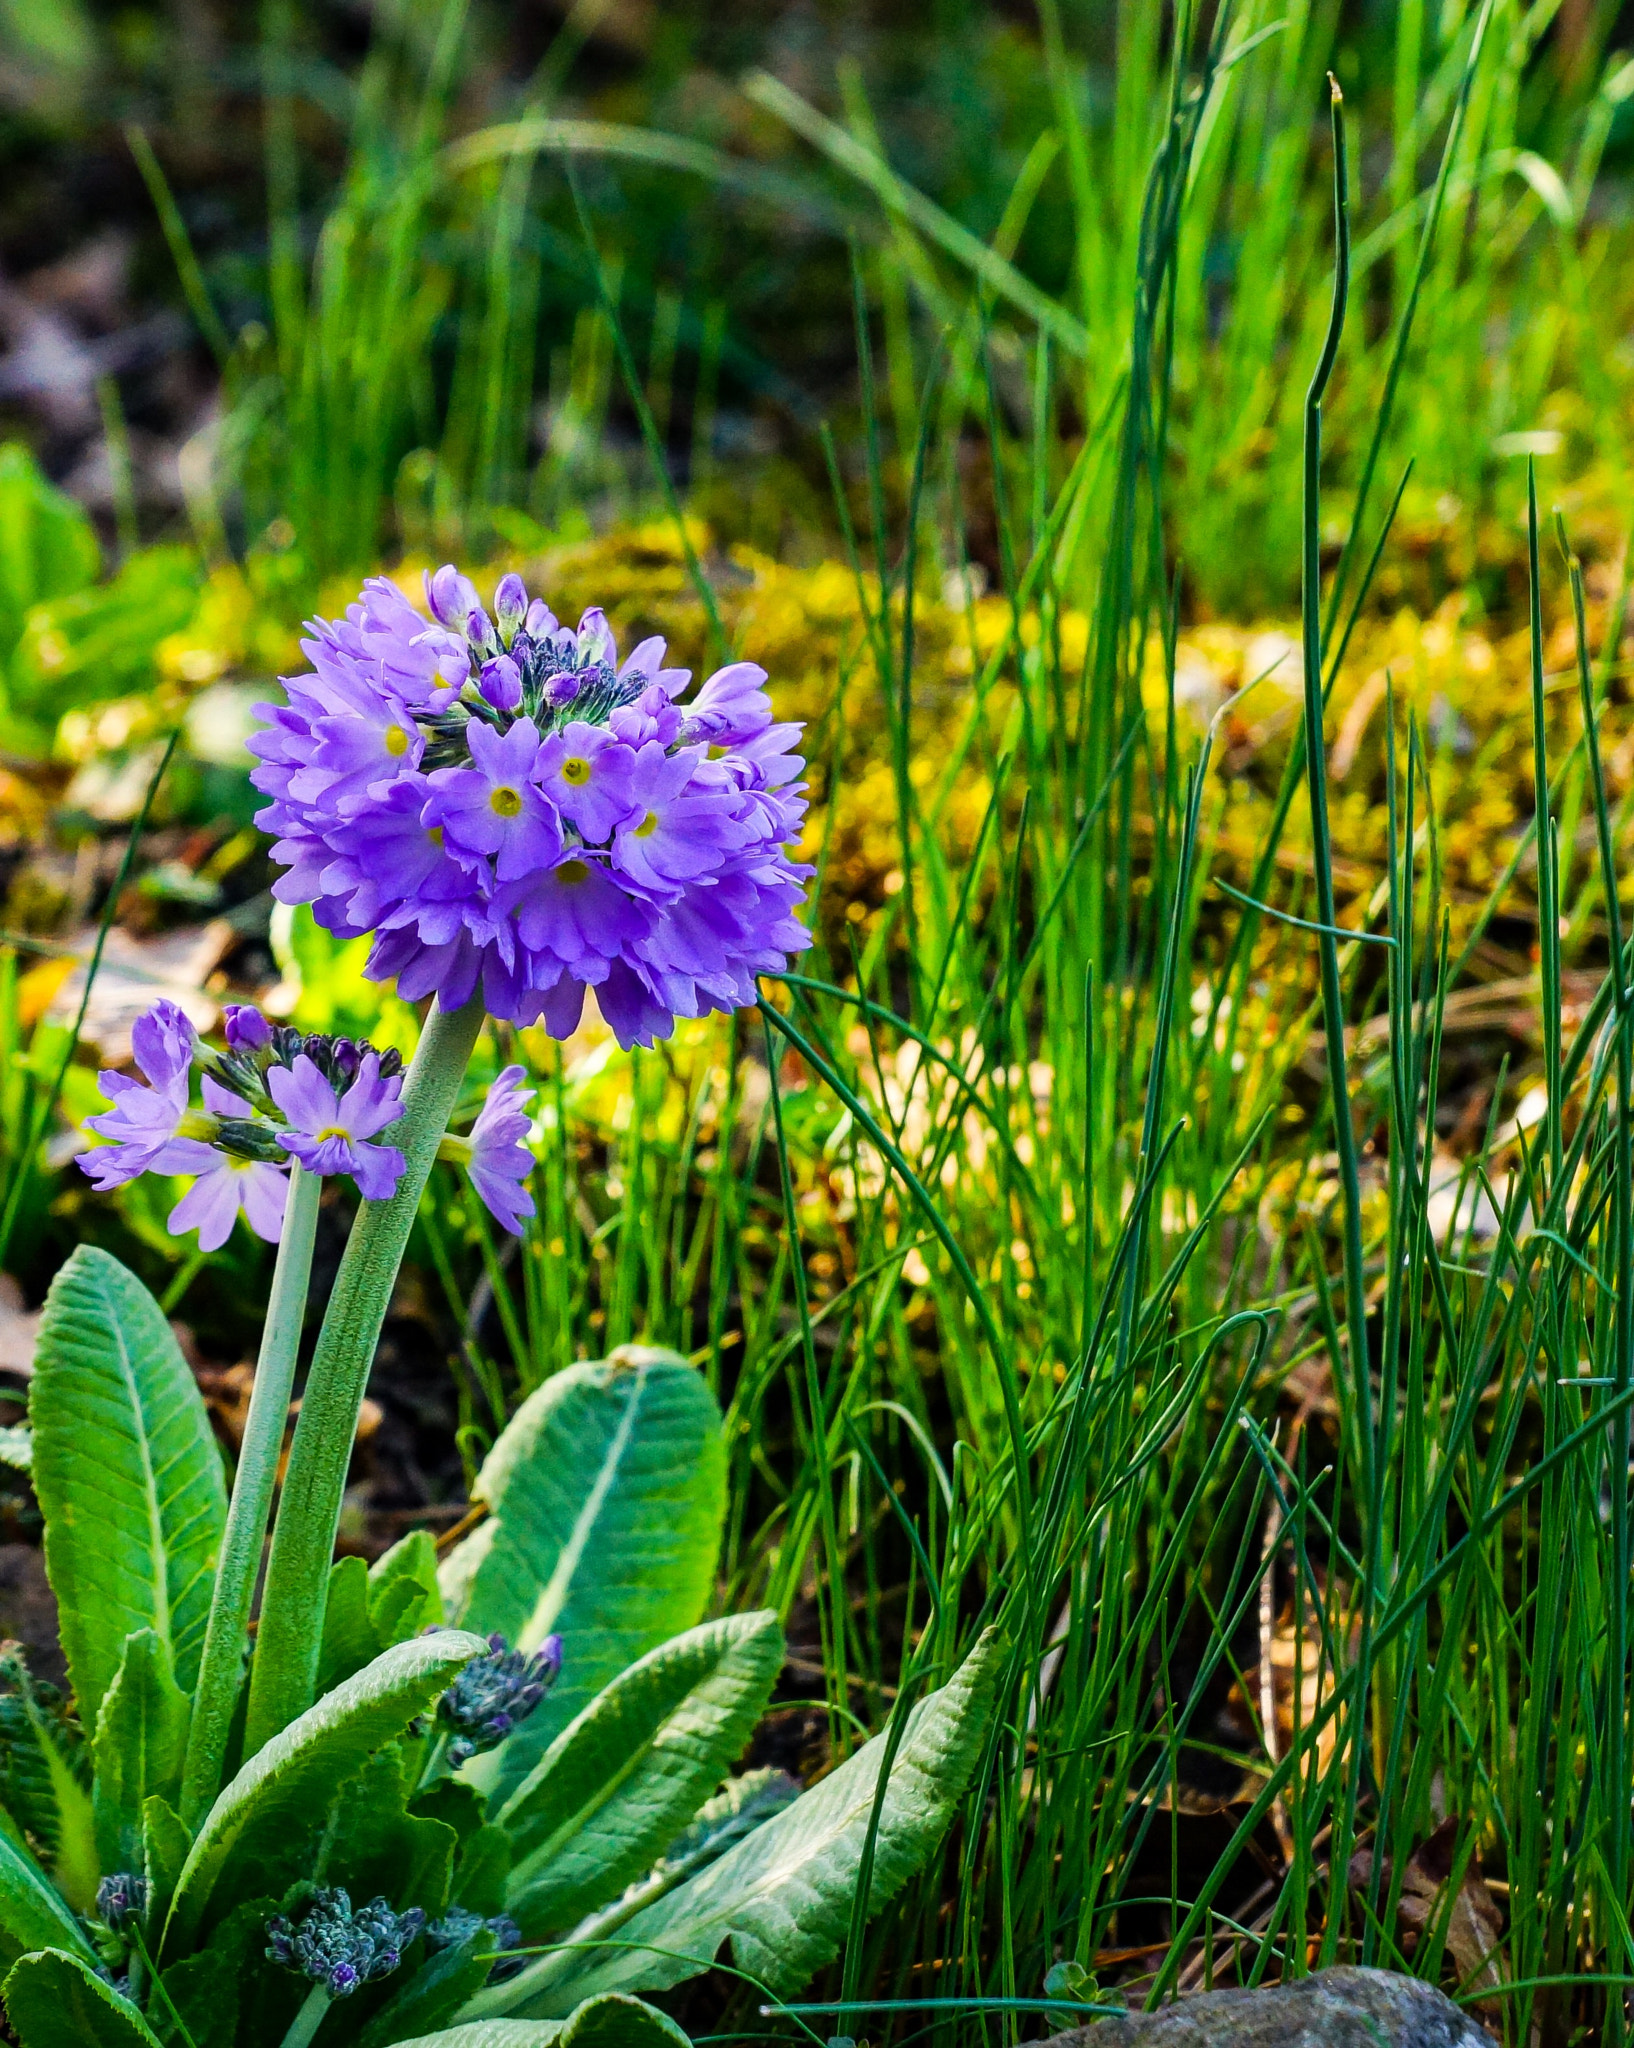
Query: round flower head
(505, 805)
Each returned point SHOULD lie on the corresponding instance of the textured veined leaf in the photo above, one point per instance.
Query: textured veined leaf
(44, 1758)
(128, 1475)
(782, 1898)
(141, 1735)
(274, 1808)
(55, 2000)
(608, 1492)
(611, 2021)
(32, 1911)
(620, 1783)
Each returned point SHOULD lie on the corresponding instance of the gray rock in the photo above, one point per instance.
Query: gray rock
(1340, 2008)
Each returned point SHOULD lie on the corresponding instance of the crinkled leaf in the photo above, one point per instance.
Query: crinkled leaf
(611, 2021)
(33, 1913)
(55, 2000)
(229, 1995)
(376, 1849)
(47, 1768)
(141, 1738)
(608, 1492)
(782, 1898)
(434, 1993)
(272, 1810)
(128, 1475)
(617, 1786)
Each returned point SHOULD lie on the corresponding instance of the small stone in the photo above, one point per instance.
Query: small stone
(1338, 2008)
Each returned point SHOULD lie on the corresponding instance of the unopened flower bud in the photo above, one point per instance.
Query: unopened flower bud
(561, 688)
(510, 605)
(501, 683)
(119, 1898)
(495, 1693)
(247, 1030)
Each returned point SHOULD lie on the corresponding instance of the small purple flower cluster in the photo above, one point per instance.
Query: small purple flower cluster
(276, 1095)
(503, 804)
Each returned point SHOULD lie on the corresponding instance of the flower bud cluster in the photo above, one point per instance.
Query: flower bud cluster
(459, 1924)
(339, 1948)
(494, 1694)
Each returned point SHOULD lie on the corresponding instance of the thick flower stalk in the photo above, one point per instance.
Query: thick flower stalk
(509, 808)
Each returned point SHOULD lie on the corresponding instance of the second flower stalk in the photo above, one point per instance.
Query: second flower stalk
(282, 1110)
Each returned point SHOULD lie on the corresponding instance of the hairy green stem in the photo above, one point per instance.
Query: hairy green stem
(310, 2017)
(221, 1668)
(283, 1678)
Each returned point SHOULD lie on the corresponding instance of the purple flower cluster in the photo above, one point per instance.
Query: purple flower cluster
(340, 1947)
(272, 1096)
(502, 803)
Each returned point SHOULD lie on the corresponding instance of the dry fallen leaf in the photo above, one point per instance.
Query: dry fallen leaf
(133, 975)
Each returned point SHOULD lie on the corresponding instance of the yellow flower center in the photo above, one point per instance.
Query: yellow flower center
(397, 741)
(572, 872)
(435, 834)
(648, 826)
(332, 1131)
(576, 770)
(505, 802)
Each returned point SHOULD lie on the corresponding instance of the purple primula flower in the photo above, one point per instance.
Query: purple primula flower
(328, 1133)
(274, 1092)
(494, 1154)
(227, 1186)
(504, 806)
(586, 774)
(494, 806)
(149, 1129)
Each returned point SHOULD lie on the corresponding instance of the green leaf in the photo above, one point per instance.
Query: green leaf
(373, 1847)
(349, 1640)
(404, 1596)
(141, 1737)
(611, 2021)
(166, 1846)
(54, 2000)
(782, 1898)
(268, 1816)
(127, 1473)
(228, 1994)
(608, 1493)
(434, 1993)
(48, 547)
(45, 1771)
(32, 1911)
(617, 1786)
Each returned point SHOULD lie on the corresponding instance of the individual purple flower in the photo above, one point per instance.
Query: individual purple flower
(506, 807)
(494, 806)
(494, 1154)
(226, 1188)
(329, 1133)
(148, 1127)
(674, 833)
(586, 774)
